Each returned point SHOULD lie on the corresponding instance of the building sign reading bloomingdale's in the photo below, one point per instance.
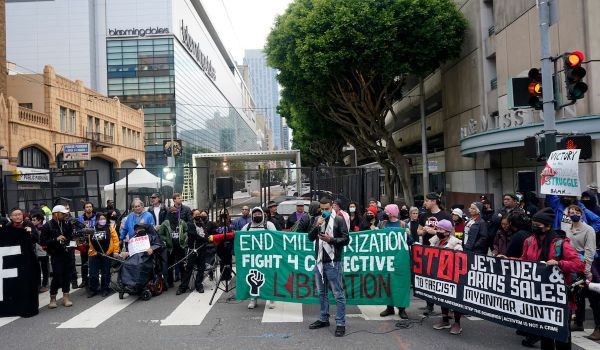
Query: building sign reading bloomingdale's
(194, 49)
(138, 31)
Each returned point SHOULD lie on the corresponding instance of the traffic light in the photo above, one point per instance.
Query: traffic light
(582, 142)
(574, 74)
(535, 88)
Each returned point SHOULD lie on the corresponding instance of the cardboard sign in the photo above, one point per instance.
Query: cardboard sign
(138, 245)
(561, 174)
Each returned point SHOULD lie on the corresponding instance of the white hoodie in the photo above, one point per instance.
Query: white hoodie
(260, 226)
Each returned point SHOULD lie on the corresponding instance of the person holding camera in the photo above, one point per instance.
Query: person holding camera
(331, 233)
(57, 235)
(196, 240)
(169, 232)
(223, 241)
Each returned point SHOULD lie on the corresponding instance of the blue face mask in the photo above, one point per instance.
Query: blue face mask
(326, 214)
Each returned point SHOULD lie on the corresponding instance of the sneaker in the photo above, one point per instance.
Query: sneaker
(402, 314)
(530, 341)
(74, 285)
(340, 331)
(83, 284)
(271, 304)
(428, 311)
(200, 289)
(387, 312)
(180, 291)
(252, 304)
(595, 335)
(442, 325)
(318, 324)
(456, 329)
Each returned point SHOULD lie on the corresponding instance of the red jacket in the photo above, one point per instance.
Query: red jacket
(561, 250)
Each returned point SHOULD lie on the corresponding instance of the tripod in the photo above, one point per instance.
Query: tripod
(227, 269)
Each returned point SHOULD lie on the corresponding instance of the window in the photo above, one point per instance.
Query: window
(90, 124)
(32, 157)
(123, 134)
(63, 119)
(26, 105)
(73, 121)
(97, 128)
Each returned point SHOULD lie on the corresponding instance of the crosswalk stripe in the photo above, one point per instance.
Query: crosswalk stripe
(283, 312)
(579, 339)
(100, 312)
(192, 311)
(371, 313)
(43, 300)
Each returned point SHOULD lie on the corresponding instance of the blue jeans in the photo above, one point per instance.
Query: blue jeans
(333, 279)
(99, 264)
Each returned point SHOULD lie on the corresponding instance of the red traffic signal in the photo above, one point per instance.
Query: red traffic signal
(574, 74)
(582, 142)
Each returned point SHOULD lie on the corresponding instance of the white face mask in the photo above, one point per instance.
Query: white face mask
(352, 210)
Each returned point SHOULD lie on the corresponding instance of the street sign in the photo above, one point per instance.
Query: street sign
(76, 151)
(32, 175)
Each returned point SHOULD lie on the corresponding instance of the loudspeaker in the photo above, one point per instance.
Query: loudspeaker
(224, 187)
(526, 181)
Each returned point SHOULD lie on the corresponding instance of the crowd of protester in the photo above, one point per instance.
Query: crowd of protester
(523, 228)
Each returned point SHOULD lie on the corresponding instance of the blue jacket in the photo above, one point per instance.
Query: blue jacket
(240, 222)
(559, 208)
(92, 221)
(132, 219)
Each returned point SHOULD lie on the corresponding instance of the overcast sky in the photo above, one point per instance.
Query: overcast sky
(248, 25)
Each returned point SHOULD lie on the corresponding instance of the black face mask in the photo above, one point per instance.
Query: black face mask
(370, 217)
(538, 231)
(141, 233)
(204, 218)
(386, 217)
(440, 235)
(587, 202)
(257, 219)
(403, 213)
(198, 219)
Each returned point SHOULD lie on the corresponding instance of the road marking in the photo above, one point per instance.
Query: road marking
(579, 339)
(283, 312)
(371, 313)
(192, 311)
(473, 318)
(43, 300)
(100, 312)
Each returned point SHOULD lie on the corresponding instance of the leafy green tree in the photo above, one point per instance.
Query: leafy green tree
(347, 61)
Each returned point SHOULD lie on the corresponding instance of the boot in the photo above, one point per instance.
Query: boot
(66, 301)
(595, 335)
(52, 304)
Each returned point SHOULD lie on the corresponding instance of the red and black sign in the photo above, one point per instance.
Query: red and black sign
(526, 295)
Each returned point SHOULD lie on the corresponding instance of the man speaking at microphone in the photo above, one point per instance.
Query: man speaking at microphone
(331, 233)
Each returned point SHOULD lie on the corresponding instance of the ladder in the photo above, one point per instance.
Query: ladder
(186, 195)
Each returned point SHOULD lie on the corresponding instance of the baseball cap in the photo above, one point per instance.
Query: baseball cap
(154, 195)
(60, 209)
(299, 203)
(271, 204)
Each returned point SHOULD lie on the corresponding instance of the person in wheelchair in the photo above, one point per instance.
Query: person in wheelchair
(140, 272)
(196, 240)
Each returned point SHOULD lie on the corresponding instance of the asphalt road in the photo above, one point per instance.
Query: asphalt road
(188, 322)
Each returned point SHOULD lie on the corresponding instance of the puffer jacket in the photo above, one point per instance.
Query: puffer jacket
(113, 246)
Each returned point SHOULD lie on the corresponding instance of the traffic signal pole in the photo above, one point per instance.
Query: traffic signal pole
(547, 83)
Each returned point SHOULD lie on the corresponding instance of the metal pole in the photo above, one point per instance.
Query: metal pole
(547, 83)
(424, 139)
(2, 194)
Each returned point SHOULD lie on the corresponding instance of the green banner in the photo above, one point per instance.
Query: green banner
(276, 265)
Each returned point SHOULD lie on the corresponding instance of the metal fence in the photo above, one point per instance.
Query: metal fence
(252, 187)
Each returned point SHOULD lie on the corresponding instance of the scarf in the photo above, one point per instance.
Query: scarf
(326, 227)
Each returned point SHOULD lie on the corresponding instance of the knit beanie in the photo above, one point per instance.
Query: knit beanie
(545, 216)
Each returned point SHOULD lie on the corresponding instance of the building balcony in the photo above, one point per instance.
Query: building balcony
(99, 139)
(30, 116)
(490, 43)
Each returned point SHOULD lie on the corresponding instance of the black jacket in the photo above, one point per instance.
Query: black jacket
(339, 241)
(515, 245)
(194, 239)
(50, 231)
(162, 214)
(303, 225)
(185, 213)
(35, 235)
(478, 237)
(277, 220)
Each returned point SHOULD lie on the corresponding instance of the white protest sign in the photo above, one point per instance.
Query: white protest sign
(7, 273)
(138, 244)
(561, 174)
